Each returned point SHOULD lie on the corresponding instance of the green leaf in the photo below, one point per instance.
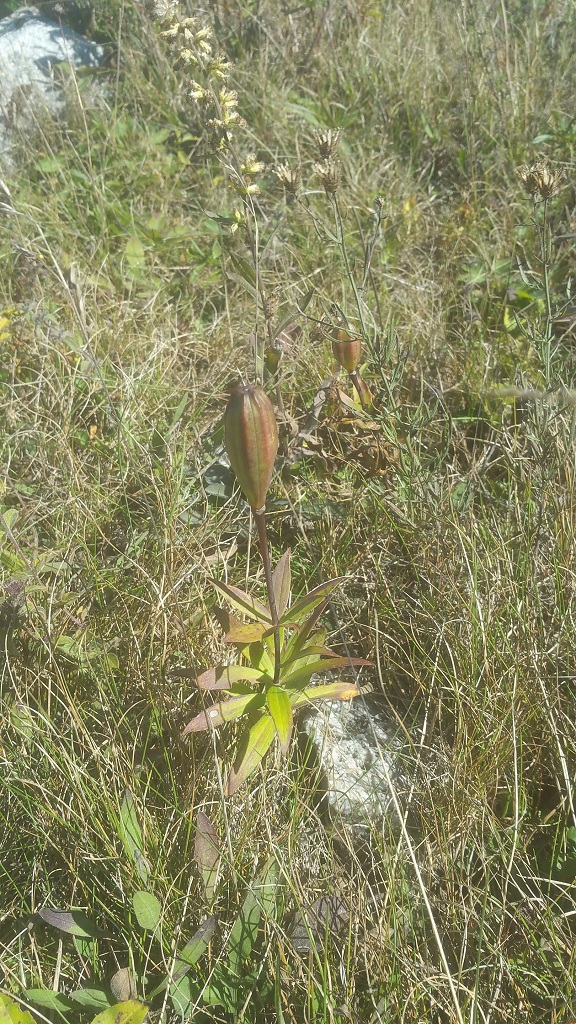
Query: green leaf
(11, 1013)
(244, 602)
(131, 836)
(130, 1012)
(254, 744)
(92, 998)
(281, 710)
(304, 672)
(246, 633)
(147, 908)
(189, 955)
(329, 691)
(244, 933)
(50, 1000)
(182, 994)
(281, 579)
(243, 274)
(306, 604)
(224, 676)
(73, 922)
(225, 711)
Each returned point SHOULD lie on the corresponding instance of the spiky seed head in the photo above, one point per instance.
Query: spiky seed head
(329, 173)
(347, 350)
(327, 140)
(251, 440)
(539, 180)
(290, 177)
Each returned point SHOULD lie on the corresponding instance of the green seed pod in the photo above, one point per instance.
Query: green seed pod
(251, 439)
(347, 350)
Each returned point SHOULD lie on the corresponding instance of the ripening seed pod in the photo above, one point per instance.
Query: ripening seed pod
(251, 439)
(347, 350)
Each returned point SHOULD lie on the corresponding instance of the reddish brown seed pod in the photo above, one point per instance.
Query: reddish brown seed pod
(347, 350)
(251, 440)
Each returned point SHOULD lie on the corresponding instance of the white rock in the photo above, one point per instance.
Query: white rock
(360, 748)
(30, 45)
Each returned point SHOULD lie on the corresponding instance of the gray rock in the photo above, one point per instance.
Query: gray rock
(359, 748)
(30, 46)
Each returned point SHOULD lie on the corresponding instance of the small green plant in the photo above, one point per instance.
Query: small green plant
(282, 647)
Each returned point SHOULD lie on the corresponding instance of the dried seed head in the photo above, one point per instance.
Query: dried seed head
(290, 177)
(329, 173)
(539, 180)
(327, 140)
(251, 439)
(347, 349)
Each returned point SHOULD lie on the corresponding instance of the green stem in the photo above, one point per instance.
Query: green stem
(260, 517)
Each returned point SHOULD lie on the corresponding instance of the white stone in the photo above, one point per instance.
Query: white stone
(30, 46)
(360, 749)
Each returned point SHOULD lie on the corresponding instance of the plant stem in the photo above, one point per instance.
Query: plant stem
(354, 378)
(265, 552)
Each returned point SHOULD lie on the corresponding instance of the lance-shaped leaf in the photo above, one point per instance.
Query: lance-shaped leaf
(74, 922)
(207, 851)
(303, 673)
(246, 633)
(244, 602)
(310, 601)
(280, 708)
(131, 835)
(327, 691)
(254, 744)
(308, 632)
(281, 579)
(225, 711)
(189, 955)
(223, 677)
(311, 653)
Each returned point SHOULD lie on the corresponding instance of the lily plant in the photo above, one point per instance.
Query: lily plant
(282, 646)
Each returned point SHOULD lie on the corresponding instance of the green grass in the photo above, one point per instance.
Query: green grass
(451, 512)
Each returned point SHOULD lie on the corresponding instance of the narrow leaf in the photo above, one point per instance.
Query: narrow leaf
(281, 710)
(303, 673)
(130, 1012)
(281, 579)
(207, 851)
(254, 745)
(244, 933)
(329, 691)
(239, 599)
(308, 631)
(225, 711)
(147, 909)
(194, 949)
(311, 600)
(74, 922)
(188, 956)
(131, 836)
(223, 677)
